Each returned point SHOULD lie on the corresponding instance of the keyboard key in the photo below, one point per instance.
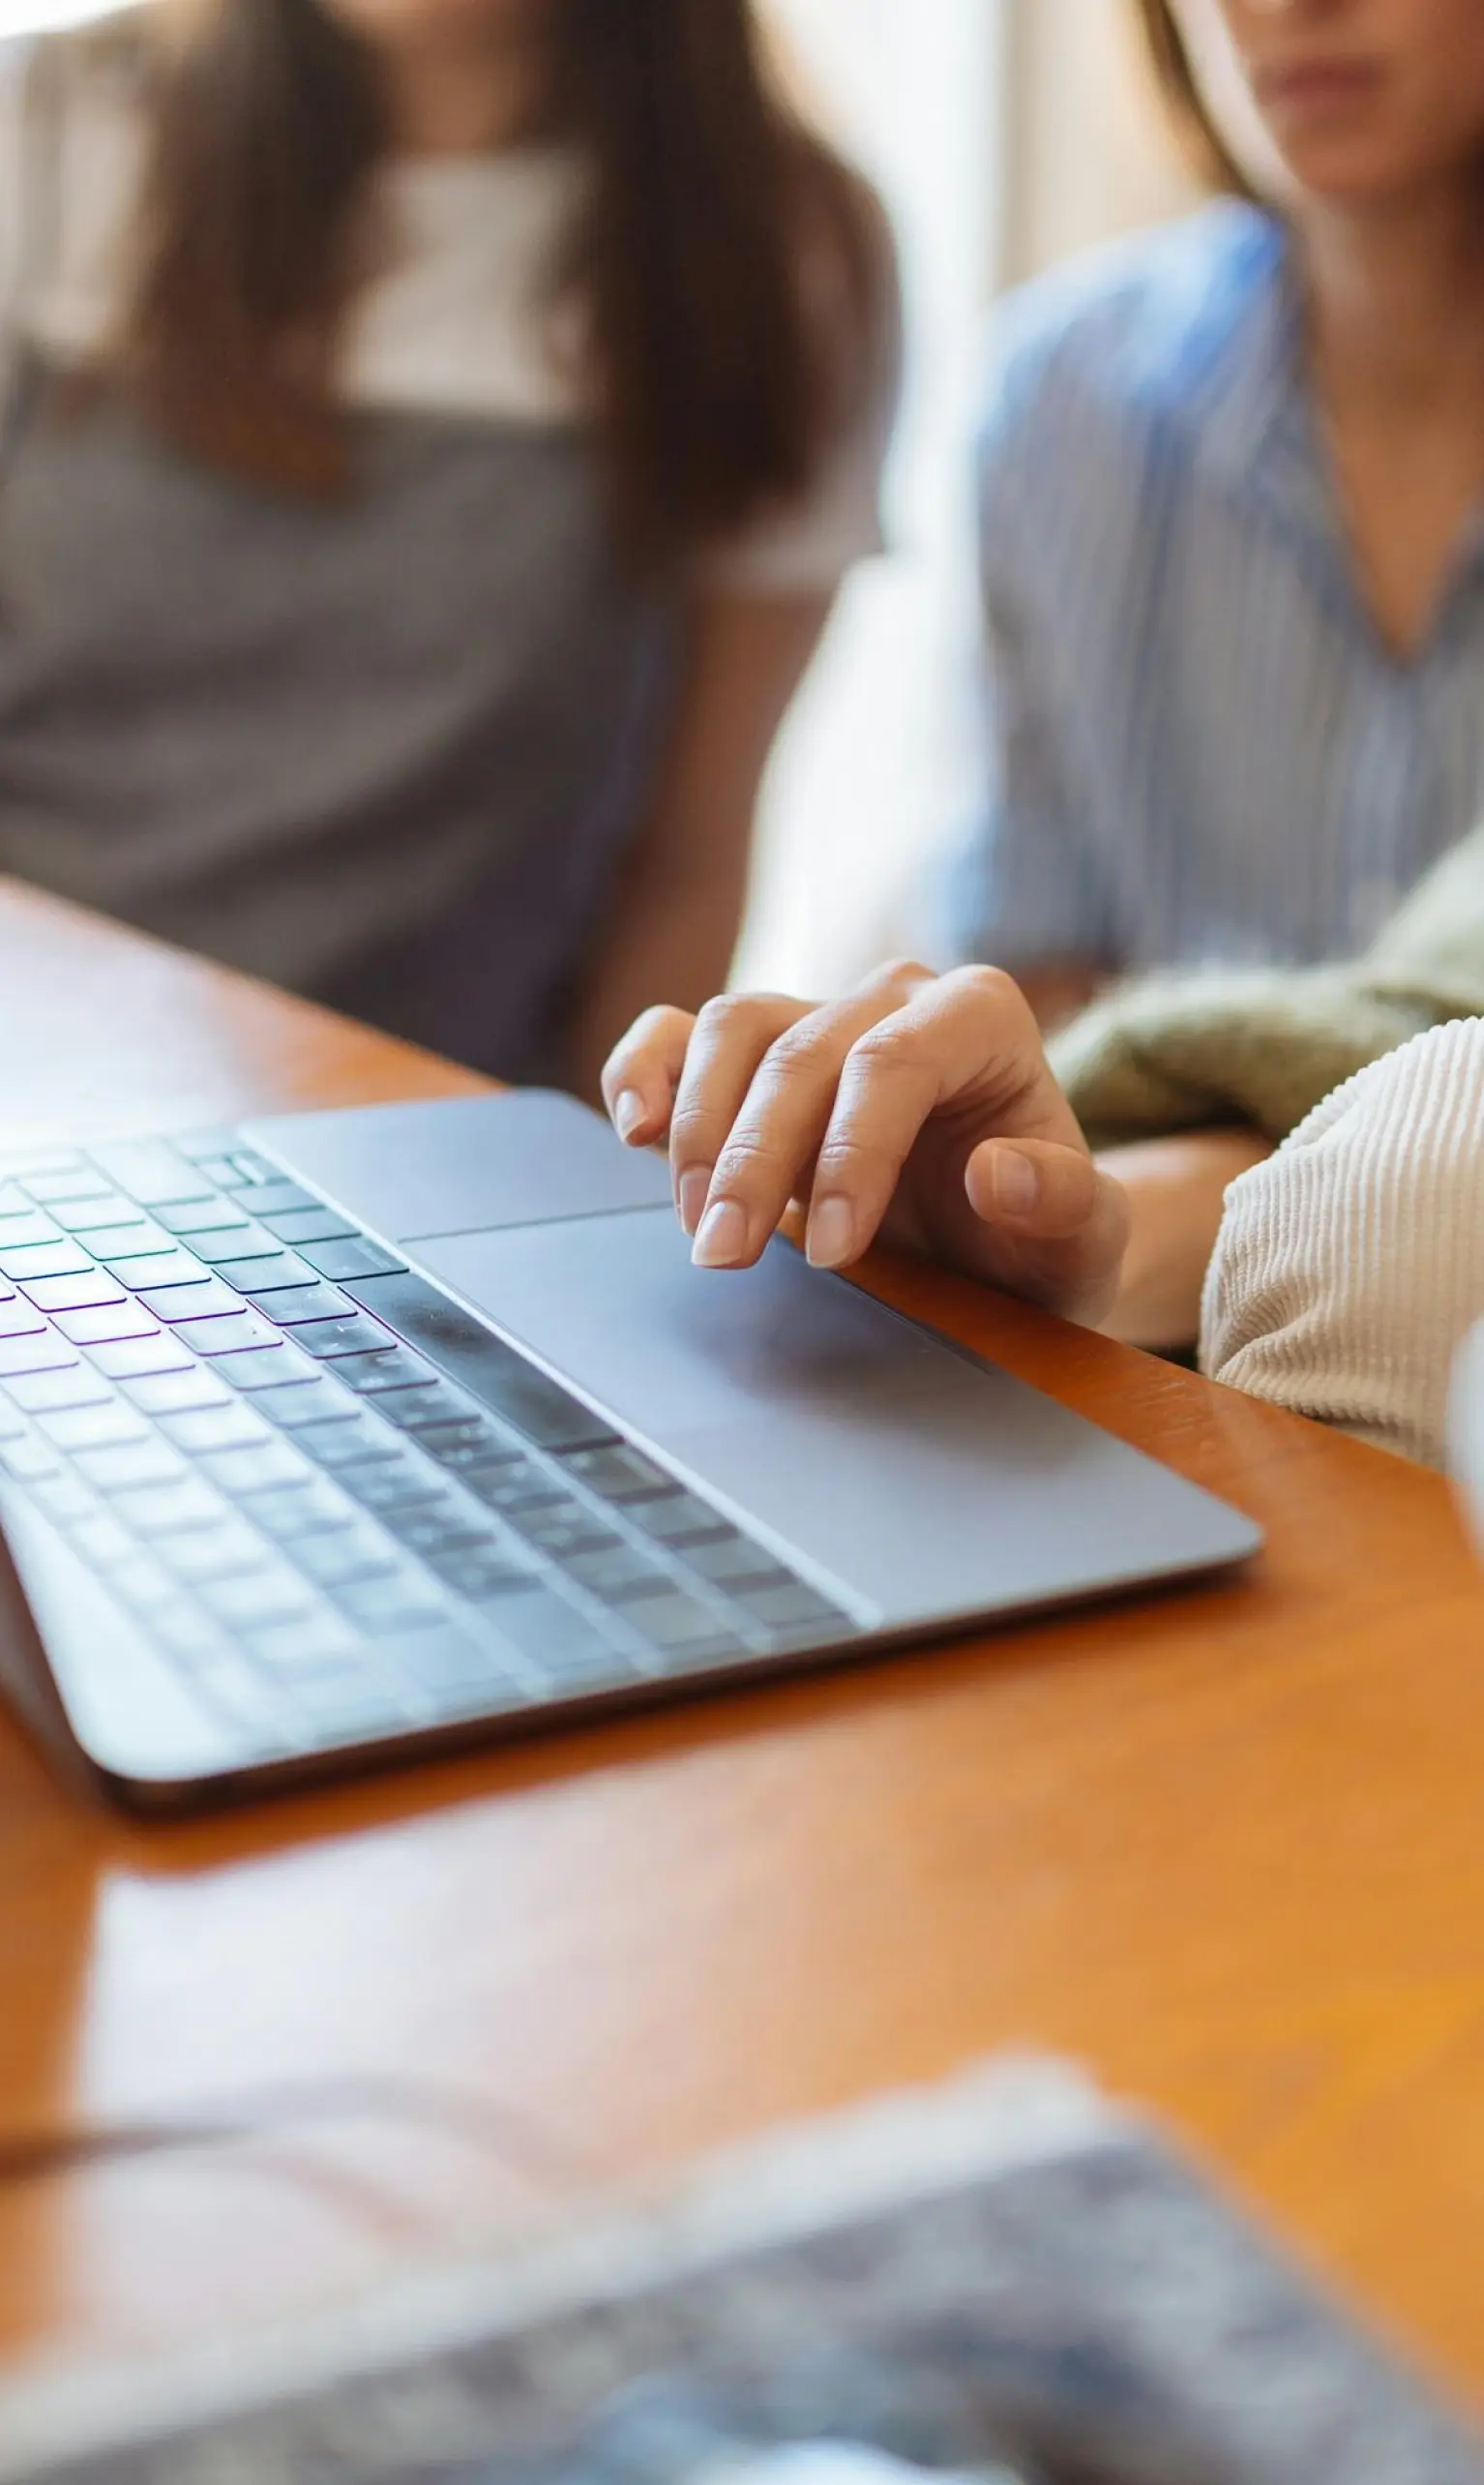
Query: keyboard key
(163, 1270)
(438, 1411)
(233, 1332)
(29, 1459)
(32, 1232)
(354, 1705)
(190, 1638)
(63, 1499)
(232, 1245)
(98, 1210)
(166, 1509)
(94, 1427)
(179, 1393)
(398, 1603)
(678, 1518)
(380, 1375)
(206, 1216)
(40, 1392)
(272, 1593)
(130, 1358)
(114, 1244)
(292, 1307)
(481, 1362)
(359, 1442)
(305, 1402)
(561, 1642)
(788, 1608)
(512, 1488)
(468, 1441)
(228, 1424)
(725, 1560)
(393, 1486)
(221, 1171)
(301, 1226)
(100, 1542)
(346, 1554)
(13, 1423)
(274, 1368)
(19, 1318)
(219, 1552)
(151, 1172)
(445, 1521)
(342, 1262)
(479, 1572)
(74, 1294)
(47, 1353)
(561, 1528)
(206, 1300)
(615, 1571)
(106, 1326)
(131, 1468)
(328, 1339)
(300, 1509)
(618, 1473)
(275, 1195)
(273, 1283)
(445, 1659)
(61, 1259)
(144, 1584)
(79, 1183)
(675, 1623)
(263, 1469)
(319, 1642)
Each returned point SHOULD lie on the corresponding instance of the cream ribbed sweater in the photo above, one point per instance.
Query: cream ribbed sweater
(1349, 1267)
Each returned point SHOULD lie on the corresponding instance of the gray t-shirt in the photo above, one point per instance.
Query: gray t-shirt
(386, 752)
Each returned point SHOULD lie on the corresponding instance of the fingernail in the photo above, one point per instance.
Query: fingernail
(629, 1114)
(695, 1191)
(723, 1237)
(831, 1232)
(1017, 1183)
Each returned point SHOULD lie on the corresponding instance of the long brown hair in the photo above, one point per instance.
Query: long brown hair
(1176, 80)
(694, 259)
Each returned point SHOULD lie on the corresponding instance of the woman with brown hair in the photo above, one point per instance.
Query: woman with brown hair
(1233, 517)
(435, 431)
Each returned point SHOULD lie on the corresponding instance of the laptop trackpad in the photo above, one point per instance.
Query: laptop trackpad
(913, 1475)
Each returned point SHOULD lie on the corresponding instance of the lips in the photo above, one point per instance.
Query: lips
(1318, 86)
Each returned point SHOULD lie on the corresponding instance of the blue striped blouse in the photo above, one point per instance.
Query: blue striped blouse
(1200, 746)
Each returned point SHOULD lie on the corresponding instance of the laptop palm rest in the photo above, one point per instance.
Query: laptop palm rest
(922, 1483)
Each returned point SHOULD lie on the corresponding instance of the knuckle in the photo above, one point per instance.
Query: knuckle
(808, 1046)
(751, 1165)
(737, 1013)
(899, 975)
(991, 986)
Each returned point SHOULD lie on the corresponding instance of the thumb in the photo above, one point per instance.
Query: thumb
(1034, 1188)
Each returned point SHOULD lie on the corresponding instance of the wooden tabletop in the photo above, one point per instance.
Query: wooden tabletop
(1227, 1846)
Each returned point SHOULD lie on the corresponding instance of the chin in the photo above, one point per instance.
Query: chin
(1358, 176)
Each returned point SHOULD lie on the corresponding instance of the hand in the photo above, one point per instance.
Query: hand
(920, 1110)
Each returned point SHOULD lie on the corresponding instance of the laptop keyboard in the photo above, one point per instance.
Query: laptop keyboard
(341, 1506)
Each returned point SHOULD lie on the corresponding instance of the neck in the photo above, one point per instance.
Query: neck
(1396, 299)
(465, 96)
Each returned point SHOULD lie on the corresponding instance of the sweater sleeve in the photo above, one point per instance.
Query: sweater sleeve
(1349, 1267)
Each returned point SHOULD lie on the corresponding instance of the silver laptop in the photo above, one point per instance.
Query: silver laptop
(355, 1433)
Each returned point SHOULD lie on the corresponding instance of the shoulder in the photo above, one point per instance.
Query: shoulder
(1127, 334)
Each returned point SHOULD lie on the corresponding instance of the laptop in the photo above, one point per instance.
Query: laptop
(353, 1434)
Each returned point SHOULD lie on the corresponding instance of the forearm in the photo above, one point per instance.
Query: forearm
(1176, 1190)
(667, 942)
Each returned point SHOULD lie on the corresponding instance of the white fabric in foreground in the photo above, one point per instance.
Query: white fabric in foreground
(1349, 1267)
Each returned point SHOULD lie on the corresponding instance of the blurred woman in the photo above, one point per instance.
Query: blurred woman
(1233, 501)
(435, 431)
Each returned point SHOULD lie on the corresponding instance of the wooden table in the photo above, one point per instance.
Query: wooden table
(1227, 1846)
